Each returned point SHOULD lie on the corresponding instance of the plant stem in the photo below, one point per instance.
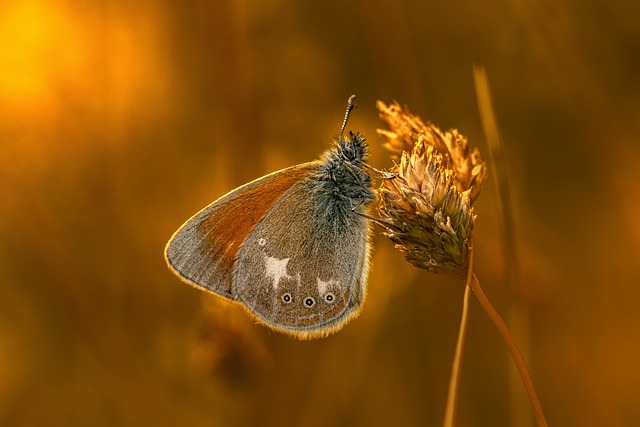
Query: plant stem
(454, 379)
(513, 349)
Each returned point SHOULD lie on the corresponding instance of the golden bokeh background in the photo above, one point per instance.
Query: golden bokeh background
(119, 120)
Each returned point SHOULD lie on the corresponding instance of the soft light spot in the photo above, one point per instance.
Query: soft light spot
(262, 241)
(276, 269)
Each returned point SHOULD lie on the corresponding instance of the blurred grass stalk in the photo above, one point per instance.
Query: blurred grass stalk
(517, 315)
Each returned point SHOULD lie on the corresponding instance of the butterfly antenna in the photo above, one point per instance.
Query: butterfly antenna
(350, 107)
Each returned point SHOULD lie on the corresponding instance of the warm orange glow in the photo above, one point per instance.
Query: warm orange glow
(52, 54)
(36, 45)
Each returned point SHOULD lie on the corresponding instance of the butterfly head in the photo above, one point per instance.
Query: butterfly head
(352, 148)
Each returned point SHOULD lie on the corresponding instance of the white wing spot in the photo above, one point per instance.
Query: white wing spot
(276, 269)
(322, 286)
(262, 241)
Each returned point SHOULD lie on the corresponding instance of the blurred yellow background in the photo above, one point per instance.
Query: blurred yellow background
(119, 120)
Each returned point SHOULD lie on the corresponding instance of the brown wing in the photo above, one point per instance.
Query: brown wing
(301, 271)
(203, 250)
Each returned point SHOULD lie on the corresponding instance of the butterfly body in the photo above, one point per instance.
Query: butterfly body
(292, 247)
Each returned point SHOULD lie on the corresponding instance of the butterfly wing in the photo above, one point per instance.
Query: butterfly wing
(203, 251)
(302, 270)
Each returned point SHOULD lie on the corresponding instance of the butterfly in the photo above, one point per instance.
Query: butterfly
(292, 247)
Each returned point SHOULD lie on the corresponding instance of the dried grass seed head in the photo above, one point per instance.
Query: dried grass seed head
(428, 204)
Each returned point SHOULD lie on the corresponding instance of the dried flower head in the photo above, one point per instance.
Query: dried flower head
(427, 206)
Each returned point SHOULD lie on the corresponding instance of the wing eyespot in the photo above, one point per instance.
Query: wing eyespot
(286, 298)
(309, 302)
(329, 297)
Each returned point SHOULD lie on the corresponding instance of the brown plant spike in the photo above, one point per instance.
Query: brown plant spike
(428, 204)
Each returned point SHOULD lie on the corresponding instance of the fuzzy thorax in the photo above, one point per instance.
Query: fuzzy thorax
(342, 178)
